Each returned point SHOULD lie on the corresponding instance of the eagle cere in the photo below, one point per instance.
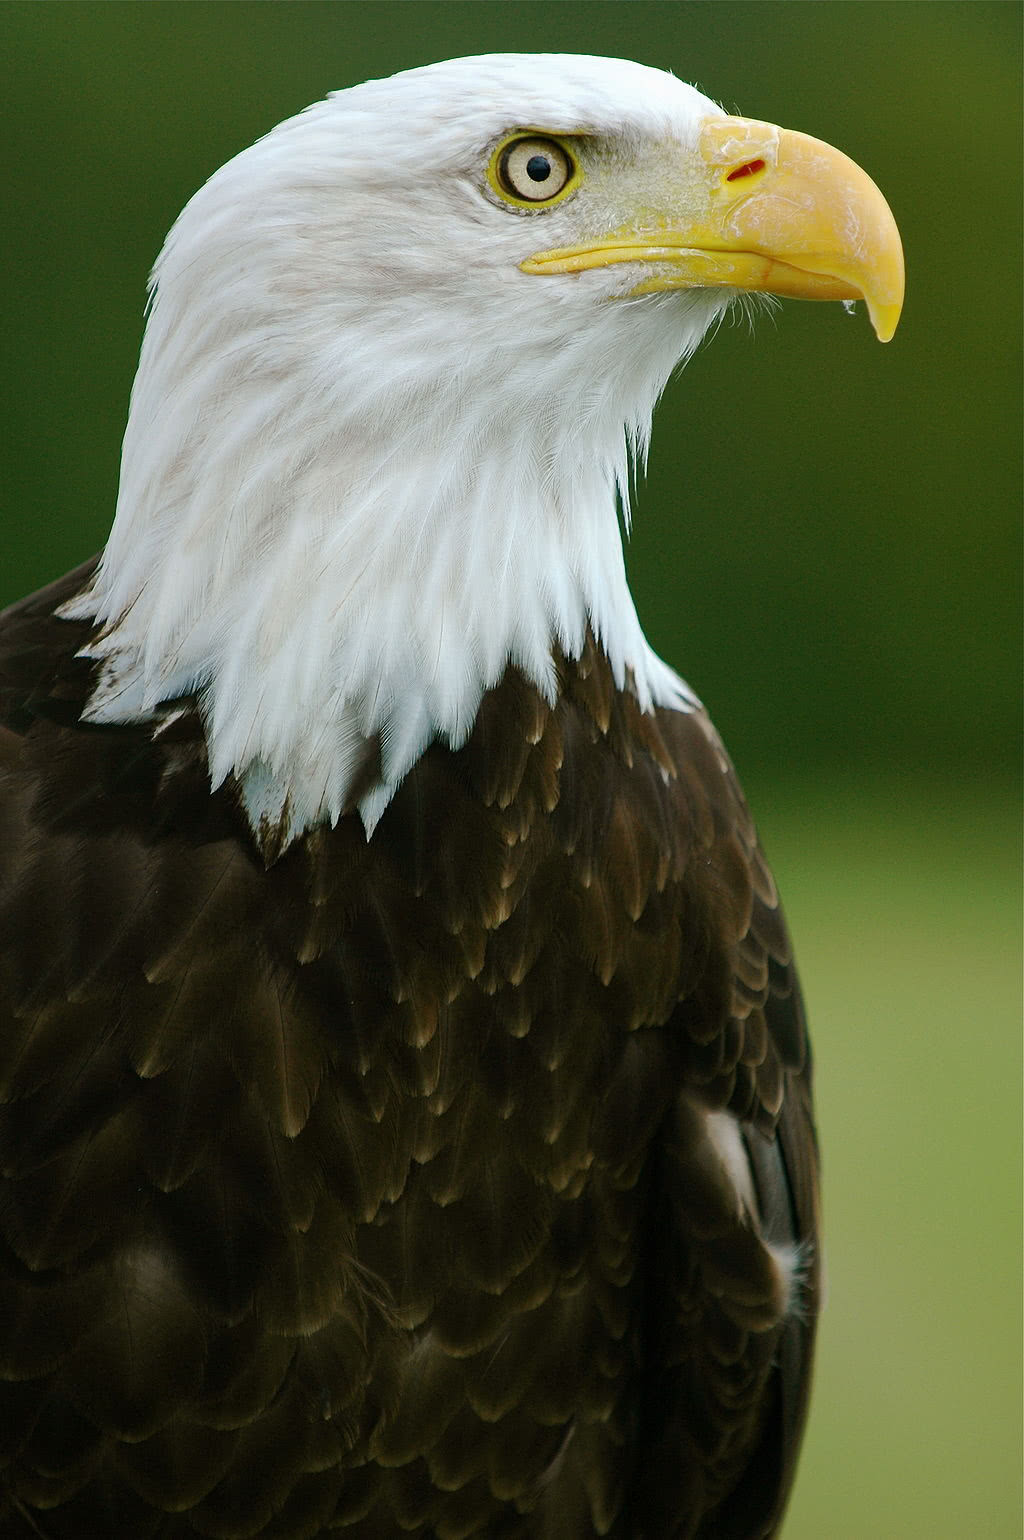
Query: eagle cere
(405, 1104)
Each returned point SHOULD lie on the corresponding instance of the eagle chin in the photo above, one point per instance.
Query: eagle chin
(405, 1093)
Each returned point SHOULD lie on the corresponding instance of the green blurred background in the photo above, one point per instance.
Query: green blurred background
(826, 546)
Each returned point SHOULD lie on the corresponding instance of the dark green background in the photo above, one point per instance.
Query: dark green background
(826, 546)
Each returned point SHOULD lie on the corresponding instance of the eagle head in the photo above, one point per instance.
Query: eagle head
(399, 357)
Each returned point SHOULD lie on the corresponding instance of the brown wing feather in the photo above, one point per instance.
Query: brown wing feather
(369, 1190)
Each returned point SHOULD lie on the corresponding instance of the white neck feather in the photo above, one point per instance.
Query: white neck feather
(350, 498)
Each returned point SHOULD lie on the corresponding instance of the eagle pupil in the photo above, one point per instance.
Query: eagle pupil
(538, 168)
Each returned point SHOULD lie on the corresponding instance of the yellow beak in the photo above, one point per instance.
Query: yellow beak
(772, 211)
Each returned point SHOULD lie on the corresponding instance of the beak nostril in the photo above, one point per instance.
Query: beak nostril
(749, 168)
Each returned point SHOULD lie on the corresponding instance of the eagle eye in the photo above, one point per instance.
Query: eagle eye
(533, 170)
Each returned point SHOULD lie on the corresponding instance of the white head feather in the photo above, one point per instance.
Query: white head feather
(368, 461)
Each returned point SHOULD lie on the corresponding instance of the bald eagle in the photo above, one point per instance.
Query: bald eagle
(405, 1104)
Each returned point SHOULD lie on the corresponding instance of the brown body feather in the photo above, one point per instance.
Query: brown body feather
(368, 1190)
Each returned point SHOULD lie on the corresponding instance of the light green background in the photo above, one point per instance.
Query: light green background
(826, 546)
